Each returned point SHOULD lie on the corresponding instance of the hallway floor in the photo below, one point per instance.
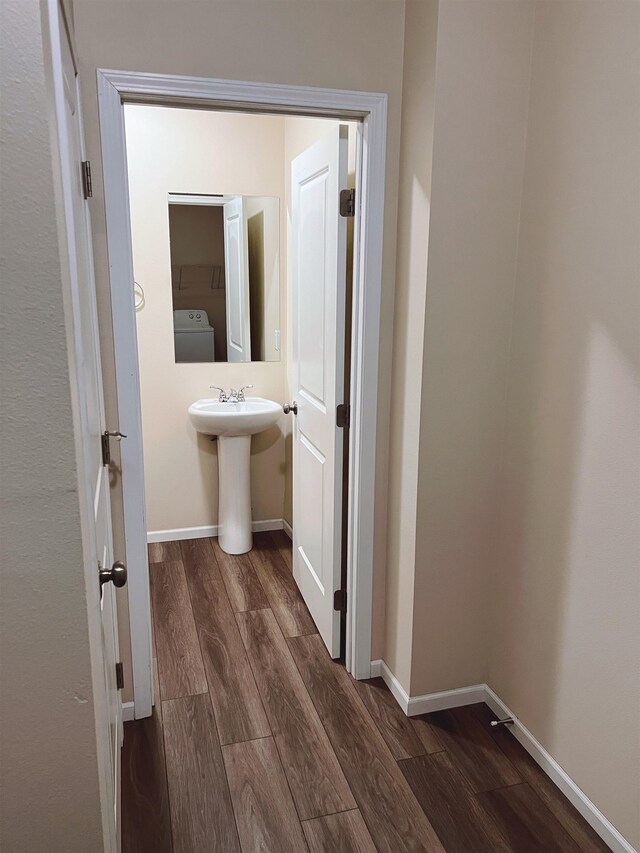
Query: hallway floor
(260, 742)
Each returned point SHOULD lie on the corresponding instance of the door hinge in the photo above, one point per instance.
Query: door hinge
(106, 449)
(340, 600)
(343, 415)
(347, 203)
(87, 186)
(119, 676)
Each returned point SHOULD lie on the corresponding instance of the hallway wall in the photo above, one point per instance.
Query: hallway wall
(524, 572)
(414, 197)
(466, 77)
(566, 594)
(481, 99)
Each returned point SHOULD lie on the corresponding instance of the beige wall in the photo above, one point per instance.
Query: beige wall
(311, 43)
(481, 97)
(527, 496)
(194, 151)
(566, 597)
(465, 94)
(528, 541)
(418, 105)
(50, 797)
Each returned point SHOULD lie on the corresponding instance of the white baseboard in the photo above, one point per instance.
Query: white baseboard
(128, 712)
(446, 699)
(413, 705)
(288, 529)
(576, 796)
(267, 524)
(380, 669)
(208, 530)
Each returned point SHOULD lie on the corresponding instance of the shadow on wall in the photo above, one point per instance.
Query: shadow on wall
(207, 469)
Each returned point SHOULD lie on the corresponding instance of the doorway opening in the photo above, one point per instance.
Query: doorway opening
(276, 317)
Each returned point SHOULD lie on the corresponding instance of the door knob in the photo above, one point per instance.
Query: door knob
(117, 574)
(290, 407)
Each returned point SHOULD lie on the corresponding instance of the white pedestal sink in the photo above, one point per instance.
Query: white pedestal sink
(234, 424)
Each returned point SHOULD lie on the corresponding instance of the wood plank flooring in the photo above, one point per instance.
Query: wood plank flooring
(180, 664)
(265, 813)
(238, 708)
(145, 798)
(201, 811)
(317, 782)
(343, 831)
(259, 742)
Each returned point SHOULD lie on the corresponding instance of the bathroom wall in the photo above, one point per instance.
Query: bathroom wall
(565, 602)
(194, 151)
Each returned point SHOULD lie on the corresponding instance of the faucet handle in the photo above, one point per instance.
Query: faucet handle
(242, 390)
(223, 395)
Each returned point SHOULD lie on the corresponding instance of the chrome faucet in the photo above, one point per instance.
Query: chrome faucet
(238, 396)
(233, 396)
(223, 398)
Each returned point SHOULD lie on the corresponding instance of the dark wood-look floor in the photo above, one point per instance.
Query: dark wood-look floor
(259, 742)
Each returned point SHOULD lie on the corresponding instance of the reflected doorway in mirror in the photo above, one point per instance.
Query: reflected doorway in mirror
(225, 266)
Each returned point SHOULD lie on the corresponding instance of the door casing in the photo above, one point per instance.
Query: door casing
(369, 109)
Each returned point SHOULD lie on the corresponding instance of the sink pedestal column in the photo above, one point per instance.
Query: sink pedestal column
(234, 494)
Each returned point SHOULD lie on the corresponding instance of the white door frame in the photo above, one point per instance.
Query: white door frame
(115, 88)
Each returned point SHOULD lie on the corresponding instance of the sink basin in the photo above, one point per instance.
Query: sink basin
(234, 424)
(232, 419)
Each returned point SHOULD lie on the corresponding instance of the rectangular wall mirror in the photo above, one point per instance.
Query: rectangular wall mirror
(225, 277)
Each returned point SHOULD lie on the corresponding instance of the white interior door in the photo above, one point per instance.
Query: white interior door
(236, 266)
(319, 285)
(89, 424)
